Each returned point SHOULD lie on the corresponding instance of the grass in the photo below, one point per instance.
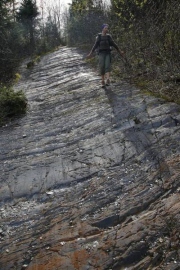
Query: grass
(12, 104)
(170, 92)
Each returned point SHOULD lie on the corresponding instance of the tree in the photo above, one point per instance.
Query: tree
(27, 15)
(14, 8)
(8, 59)
(85, 19)
(149, 31)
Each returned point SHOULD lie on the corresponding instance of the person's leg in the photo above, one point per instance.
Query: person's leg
(108, 76)
(103, 80)
(102, 67)
(107, 68)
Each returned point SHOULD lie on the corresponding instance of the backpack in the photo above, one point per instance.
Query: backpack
(99, 39)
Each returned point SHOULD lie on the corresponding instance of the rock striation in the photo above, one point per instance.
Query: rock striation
(90, 178)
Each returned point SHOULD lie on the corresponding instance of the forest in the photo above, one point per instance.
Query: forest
(148, 31)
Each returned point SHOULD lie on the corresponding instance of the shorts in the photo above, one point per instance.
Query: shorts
(104, 63)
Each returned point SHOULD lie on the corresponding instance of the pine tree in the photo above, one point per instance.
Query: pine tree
(27, 15)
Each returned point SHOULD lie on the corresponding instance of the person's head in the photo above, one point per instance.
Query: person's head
(105, 27)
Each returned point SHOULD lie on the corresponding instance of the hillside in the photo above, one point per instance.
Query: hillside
(90, 178)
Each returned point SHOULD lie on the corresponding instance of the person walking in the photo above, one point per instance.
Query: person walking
(103, 43)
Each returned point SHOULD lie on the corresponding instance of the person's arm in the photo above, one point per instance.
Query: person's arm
(112, 43)
(96, 44)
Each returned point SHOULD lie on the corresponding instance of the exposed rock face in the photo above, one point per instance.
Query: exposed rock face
(90, 179)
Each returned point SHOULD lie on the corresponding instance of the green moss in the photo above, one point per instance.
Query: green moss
(17, 77)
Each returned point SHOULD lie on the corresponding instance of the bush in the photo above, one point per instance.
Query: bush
(12, 103)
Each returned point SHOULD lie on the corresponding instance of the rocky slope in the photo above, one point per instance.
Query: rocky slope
(90, 178)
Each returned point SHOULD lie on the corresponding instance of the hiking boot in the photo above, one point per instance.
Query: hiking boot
(108, 82)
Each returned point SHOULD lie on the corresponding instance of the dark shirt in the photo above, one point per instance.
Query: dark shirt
(104, 43)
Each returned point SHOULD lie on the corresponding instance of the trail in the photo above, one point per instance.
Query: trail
(89, 177)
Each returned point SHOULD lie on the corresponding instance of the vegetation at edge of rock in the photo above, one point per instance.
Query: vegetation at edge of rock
(148, 32)
(24, 34)
(11, 103)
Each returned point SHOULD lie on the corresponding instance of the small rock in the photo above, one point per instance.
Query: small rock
(95, 244)
(49, 192)
(161, 240)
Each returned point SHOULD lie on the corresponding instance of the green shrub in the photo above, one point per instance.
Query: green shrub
(17, 77)
(12, 103)
(30, 64)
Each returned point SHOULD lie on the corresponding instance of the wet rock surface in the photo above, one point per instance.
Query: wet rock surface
(90, 178)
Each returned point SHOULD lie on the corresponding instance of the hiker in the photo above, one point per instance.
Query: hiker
(104, 42)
